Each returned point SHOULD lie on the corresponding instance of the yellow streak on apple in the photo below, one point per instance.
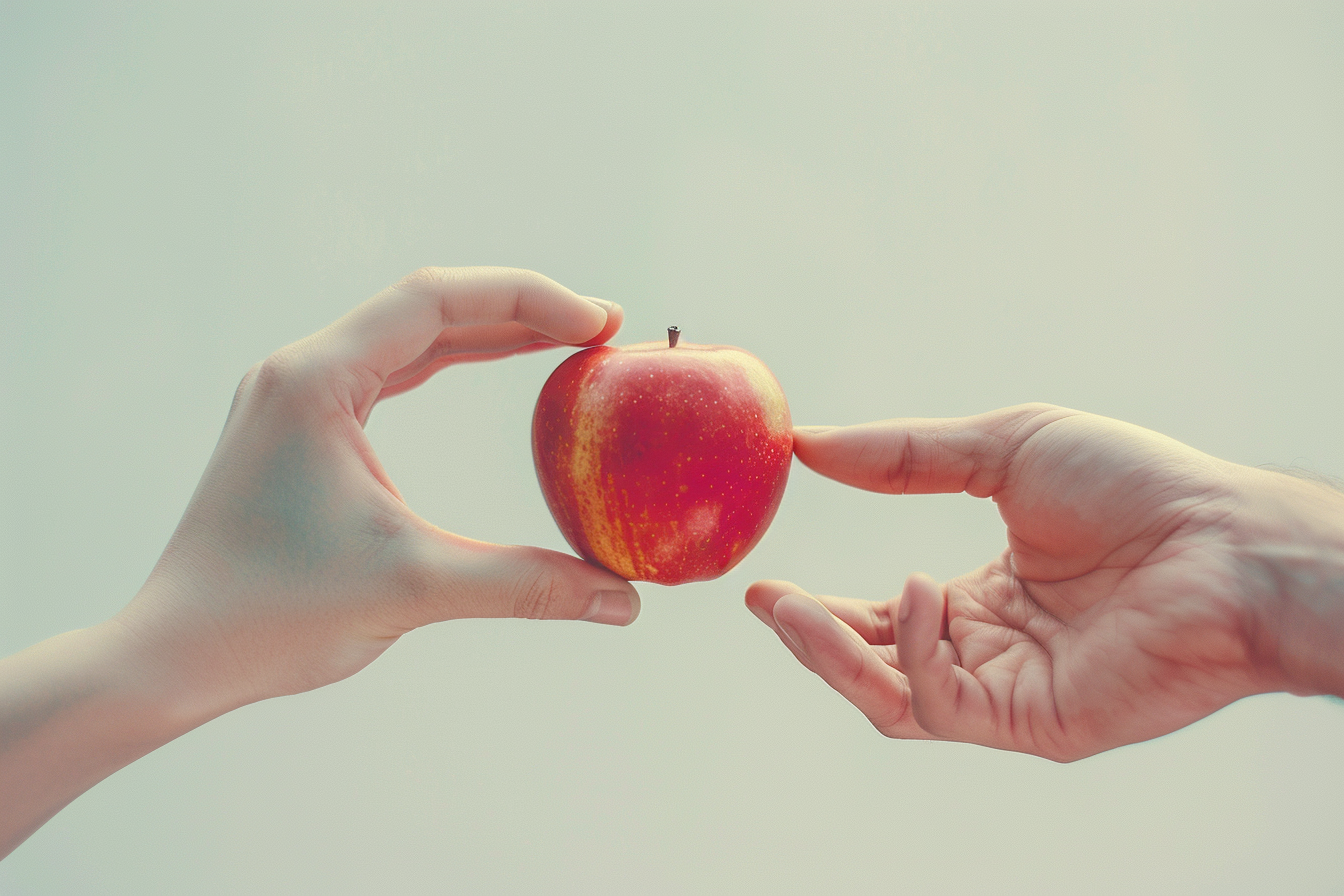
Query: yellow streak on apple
(602, 531)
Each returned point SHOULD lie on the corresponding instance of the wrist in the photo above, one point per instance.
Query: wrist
(74, 709)
(177, 658)
(1292, 549)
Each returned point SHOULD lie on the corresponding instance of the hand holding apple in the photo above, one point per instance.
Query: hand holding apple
(297, 562)
(663, 462)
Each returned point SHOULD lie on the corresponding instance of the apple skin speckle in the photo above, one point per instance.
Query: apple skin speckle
(663, 464)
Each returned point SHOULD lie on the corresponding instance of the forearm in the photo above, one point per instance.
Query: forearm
(1296, 561)
(73, 710)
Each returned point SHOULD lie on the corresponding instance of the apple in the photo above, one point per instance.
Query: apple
(663, 462)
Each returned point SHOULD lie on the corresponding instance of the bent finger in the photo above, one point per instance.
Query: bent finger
(428, 371)
(470, 343)
(457, 341)
(398, 325)
(487, 342)
(841, 658)
(945, 699)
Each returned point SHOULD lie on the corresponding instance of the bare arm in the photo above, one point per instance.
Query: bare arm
(297, 563)
(74, 709)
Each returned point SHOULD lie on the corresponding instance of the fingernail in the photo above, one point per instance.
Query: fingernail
(906, 606)
(789, 632)
(602, 303)
(816, 429)
(794, 638)
(612, 608)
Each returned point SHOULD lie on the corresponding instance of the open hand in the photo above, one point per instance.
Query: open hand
(1122, 609)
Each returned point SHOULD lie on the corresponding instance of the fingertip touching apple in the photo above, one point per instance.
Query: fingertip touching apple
(663, 462)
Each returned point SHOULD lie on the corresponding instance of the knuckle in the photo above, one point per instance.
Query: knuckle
(247, 380)
(529, 279)
(288, 377)
(1025, 420)
(424, 277)
(900, 467)
(1065, 754)
(275, 375)
(892, 722)
(539, 594)
(525, 287)
(528, 287)
(244, 388)
(1030, 409)
(538, 598)
(854, 677)
(996, 449)
(934, 723)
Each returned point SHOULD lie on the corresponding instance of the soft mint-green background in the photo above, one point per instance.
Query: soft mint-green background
(905, 209)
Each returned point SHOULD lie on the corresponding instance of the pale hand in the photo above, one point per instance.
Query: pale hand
(297, 562)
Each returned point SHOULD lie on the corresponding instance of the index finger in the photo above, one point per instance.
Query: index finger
(395, 327)
(922, 456)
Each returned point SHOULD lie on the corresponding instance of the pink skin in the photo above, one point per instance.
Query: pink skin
(297, 562)
(1141, 589)
(296, 503)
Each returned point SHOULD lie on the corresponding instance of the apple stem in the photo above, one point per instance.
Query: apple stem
(673, 334)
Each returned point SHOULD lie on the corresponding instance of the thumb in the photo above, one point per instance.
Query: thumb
(924, 456)
(470, 579)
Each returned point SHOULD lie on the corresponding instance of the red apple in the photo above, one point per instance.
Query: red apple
(663, 462)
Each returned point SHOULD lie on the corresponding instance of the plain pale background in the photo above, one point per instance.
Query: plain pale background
(905, 210)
